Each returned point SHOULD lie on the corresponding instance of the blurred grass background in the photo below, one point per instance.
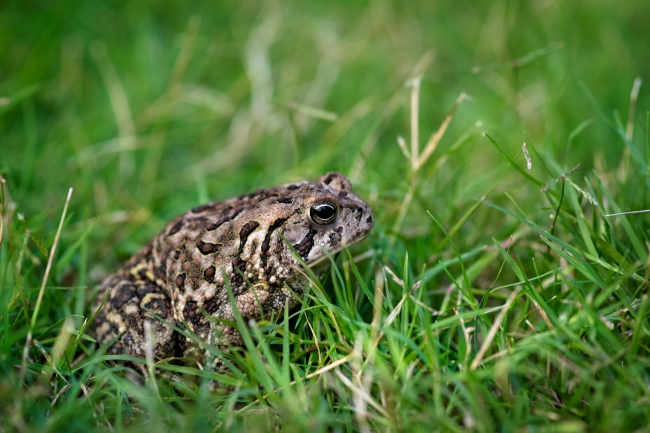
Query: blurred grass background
(149, 108)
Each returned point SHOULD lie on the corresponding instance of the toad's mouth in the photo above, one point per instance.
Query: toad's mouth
(322, 261)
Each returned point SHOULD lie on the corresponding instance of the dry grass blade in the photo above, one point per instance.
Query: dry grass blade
(406, 203)
(586, 194)
(437, 136)
(628, 213)
(362, 394)
(494, 329)
(634, 96)
(402, 146)
(119, 103)
(466, 331)
(62, 340)
(39, 300)
(418, 161)
(59, 394)
(415, 104)
(363, 382)
(529, 162)
(170, 98)
(318, 372)
(331, 366)
(48, 268)
(2, 207)
(151, 369)
(380, 284)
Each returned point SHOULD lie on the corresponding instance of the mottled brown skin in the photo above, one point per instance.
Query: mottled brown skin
(181, 274)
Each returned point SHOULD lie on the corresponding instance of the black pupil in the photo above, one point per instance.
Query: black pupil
(323, 212)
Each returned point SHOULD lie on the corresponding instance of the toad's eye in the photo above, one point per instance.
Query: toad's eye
(323, 213)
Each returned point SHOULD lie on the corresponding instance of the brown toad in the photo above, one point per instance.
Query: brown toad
(181, 274)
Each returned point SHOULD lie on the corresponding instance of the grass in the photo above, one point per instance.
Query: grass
(481, 302)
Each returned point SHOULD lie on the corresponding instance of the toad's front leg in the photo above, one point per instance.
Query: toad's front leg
(259, 301)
